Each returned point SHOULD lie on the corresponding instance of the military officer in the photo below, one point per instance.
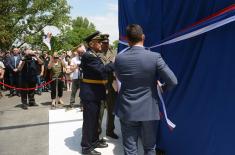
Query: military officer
(106, 56)
(92, 91)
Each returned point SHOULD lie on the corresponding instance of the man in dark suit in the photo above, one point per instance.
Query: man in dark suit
(92, 91)
(137, 101)
(14, 74)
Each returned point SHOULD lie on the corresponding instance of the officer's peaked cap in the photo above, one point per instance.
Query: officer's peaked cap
(93, 36)
(105, 37)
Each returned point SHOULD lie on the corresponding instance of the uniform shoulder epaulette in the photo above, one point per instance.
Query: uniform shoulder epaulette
(91, 53)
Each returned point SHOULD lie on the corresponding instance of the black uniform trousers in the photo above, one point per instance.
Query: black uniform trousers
(90, 136)
(28, 94)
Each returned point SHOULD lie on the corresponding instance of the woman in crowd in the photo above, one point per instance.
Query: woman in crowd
(56, 65)
(68, 73)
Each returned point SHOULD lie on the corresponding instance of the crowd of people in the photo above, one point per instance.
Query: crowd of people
(94, 70)
(26, 72)
(19, 67)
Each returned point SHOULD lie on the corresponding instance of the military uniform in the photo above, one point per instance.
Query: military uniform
(92, 91)
(109, 101)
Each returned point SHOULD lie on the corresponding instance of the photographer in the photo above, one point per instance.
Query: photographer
(29, 71)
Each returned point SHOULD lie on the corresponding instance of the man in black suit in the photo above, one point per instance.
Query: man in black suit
(92, 91)
(14, 74)
(137, 101)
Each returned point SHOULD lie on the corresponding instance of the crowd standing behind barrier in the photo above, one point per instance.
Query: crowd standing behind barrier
(11, 76)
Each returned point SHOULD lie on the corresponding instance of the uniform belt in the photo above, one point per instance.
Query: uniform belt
(94, 81)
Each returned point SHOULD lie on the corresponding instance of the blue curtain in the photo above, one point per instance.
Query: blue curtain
(202, 105)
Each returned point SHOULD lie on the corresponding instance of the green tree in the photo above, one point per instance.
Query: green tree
(115, 44)
(74, 35)
(22, 21)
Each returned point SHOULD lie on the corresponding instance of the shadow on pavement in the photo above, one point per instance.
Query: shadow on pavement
(36, 124)
(73, 143)
(46, 103)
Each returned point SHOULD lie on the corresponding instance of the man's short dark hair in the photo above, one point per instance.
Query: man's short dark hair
(134, 33)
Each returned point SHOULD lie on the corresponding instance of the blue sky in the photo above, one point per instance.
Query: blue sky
(103, 13)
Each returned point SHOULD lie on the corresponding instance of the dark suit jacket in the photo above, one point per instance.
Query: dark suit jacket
(11, 62)
(138, 69)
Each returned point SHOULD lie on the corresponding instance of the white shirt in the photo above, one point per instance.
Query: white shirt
(1, 65)
(75, 62)
(15, 58)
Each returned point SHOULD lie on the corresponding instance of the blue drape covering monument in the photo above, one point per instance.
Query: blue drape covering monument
(202, 105)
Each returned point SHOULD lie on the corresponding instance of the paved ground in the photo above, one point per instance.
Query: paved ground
(42, 131)
(24, 132)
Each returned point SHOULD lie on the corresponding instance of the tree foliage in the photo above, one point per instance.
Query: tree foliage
(115, 44)
(74, 35)
(22, 21)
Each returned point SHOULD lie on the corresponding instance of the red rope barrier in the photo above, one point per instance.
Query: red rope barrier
(12, 87)
(40, 86)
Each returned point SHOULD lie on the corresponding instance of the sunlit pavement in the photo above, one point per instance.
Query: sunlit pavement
(65, 131)
(41, 131)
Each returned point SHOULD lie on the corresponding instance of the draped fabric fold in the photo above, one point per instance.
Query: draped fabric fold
(202, 105)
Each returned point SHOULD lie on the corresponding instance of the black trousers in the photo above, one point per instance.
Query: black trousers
(28, 94)
(59, 89)
(90, 135)
(15, 80)
(109, 105)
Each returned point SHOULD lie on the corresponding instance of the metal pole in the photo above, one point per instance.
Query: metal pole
(56, 92)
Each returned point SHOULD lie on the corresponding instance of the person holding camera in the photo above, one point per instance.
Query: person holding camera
(56, 65)
(29, 70)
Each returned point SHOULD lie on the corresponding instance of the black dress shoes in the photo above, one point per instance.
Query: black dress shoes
(11, 95)
(33, 104)
(101, 144)
(112, 135)
(24, 106)
(93, 152)
(102, 140)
